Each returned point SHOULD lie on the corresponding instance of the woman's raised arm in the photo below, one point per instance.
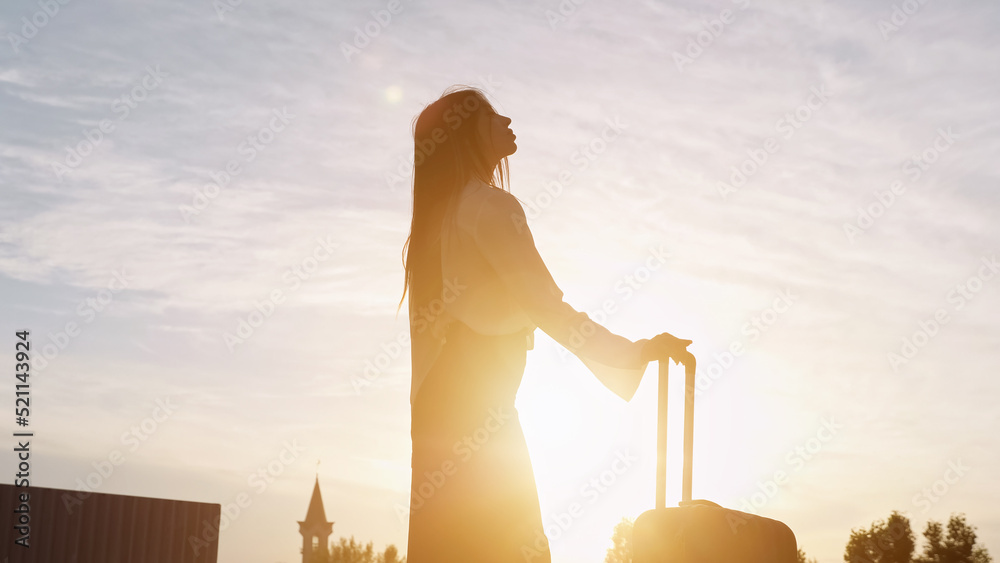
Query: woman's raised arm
(503, 237)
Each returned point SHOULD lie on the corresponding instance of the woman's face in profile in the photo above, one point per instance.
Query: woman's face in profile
(494, 129)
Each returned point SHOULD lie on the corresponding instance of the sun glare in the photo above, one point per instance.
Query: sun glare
(591, 448)
(393, 94)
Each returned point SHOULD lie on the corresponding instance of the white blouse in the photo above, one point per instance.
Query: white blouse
(496, 283)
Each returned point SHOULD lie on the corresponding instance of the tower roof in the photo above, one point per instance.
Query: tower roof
(315, 514)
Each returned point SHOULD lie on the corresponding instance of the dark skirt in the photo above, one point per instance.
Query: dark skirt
(472, 491)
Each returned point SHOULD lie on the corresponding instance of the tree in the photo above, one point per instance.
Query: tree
(621, 543)
(957, 546)
(391, 555)
(934, 551)
(800, 557)
(889, 541)
(352, 551)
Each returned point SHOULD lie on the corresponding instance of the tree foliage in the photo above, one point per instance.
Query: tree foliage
(352, 551)
(886, 541)
(621, 543)
(958, 545)
(391, 555)
(892, 541)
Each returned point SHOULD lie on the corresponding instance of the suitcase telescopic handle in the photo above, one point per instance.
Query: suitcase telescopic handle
(661, 431)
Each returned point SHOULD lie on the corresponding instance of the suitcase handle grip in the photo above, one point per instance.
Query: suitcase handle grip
(661, 431)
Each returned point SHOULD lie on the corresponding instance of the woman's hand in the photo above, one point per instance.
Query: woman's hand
(666, 345)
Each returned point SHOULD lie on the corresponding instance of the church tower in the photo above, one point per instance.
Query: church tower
(315, 530)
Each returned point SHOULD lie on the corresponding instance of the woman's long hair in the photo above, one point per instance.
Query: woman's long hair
(447, 153)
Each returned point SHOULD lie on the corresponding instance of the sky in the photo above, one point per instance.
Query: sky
(204, 206)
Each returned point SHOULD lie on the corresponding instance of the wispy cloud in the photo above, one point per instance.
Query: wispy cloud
(193, 278)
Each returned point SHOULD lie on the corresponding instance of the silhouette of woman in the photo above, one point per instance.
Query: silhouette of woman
(478, 289)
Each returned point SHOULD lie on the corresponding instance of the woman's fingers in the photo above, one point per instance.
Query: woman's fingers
(671, 340)
(667, 346)
(684, 357)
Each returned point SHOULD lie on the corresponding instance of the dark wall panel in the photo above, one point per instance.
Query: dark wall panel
(103, 528)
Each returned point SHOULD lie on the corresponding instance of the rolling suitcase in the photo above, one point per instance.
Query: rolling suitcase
(701, 531)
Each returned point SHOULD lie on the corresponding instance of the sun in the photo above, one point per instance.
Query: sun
(579, 436)
(593, 451)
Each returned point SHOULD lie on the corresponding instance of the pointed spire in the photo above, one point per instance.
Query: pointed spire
(315, 514)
